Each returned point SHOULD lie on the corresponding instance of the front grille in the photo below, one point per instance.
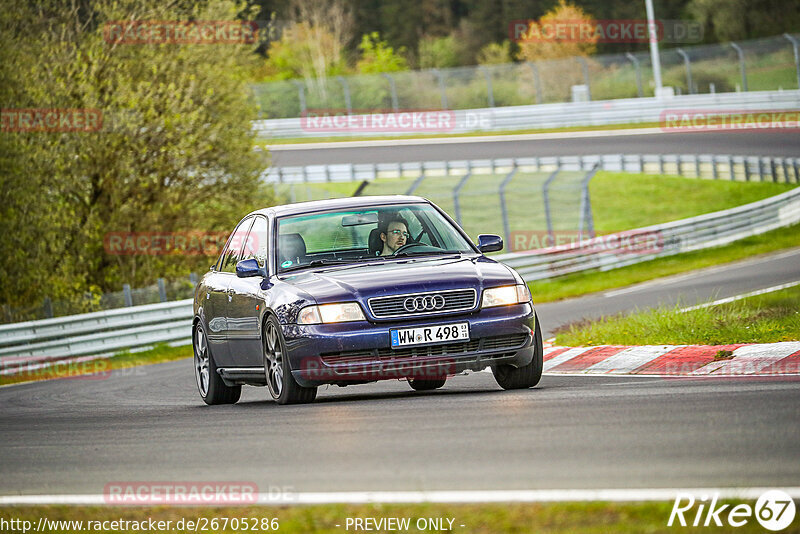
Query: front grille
(454, 300)
(492, 343)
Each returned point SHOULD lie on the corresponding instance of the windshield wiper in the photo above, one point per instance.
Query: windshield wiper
(329, 261)
(425, 253)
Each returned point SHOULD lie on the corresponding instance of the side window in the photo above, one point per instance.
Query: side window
(256, 246)
(233, 250)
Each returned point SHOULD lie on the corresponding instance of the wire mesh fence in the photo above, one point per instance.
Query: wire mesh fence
(754, 65)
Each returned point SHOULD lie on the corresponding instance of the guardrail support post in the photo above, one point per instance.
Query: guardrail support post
(162, 290)
(546, 197)
(714, 170)
(442, 89)
(774, 169)
(393, 88)
(503, 209)
(346, 89)
(688, 64)
(760, 169)
(126, 293)
(792, 40)
(731, 169)
(489, 91)
(301, 95)
(633, 59)
(661, 164)
(796, 171)
(742, 67)
(457, 191)
(697, 165)
(537, 82)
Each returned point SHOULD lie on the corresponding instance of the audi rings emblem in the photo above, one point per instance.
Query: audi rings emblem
(422, 304)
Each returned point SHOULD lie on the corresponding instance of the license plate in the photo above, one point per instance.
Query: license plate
(427, 335)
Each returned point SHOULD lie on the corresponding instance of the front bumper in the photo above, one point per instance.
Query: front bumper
(361, 351)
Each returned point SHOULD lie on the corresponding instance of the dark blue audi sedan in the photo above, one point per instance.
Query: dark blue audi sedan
(355, 290)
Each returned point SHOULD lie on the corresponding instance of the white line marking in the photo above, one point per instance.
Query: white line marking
(629, 359)
(464, 140)
(742, 296)
(564, 356)
(447, 496)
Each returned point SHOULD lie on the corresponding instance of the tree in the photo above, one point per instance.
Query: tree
(541, 42)
(377, 56)
(174, 151)
(495, 54)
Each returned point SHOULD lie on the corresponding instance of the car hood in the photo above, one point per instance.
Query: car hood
(412, 275)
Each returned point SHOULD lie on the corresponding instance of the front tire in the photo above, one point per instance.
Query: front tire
(210, 385)
(527, 376)
(280, 382)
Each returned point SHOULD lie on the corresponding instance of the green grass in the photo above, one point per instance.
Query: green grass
(767, 318)
(578, 284)
(301, 140)
(546, 518)
(102, 366)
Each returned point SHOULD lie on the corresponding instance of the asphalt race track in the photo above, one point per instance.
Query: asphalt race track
(649, 141)
(149, 424)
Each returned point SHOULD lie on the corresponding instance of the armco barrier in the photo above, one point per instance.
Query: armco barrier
(596, 113)
(108, 332)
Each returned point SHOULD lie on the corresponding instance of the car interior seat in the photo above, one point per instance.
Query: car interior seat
(291, 247)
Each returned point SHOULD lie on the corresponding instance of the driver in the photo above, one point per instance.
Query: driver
(395, 236)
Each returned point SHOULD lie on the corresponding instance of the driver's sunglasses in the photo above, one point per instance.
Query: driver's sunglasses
(400, 232)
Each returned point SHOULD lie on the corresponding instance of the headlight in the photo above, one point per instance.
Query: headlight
(330, 313)
(504, 296)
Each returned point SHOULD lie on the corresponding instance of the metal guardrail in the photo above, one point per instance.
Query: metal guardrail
(595, 113)
(38, 343)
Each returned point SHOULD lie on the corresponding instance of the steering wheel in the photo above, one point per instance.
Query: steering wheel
(407, 246)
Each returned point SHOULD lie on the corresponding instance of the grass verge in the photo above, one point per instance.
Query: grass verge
(333, 139)
(101, 367)
(767, 318)
(579, 284)
(550, 518)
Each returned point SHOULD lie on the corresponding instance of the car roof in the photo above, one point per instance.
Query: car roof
(337, 203)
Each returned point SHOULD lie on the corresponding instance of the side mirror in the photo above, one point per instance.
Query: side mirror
(490, 243)
(248, 268)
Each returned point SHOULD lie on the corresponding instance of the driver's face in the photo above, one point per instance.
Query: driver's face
(395, 235)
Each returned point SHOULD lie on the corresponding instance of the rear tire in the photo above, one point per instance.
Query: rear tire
(280, 382)
(210, 385)
(527, 376)
(418, 384)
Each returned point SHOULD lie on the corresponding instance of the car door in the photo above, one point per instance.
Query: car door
(245, 303)
(217, 295)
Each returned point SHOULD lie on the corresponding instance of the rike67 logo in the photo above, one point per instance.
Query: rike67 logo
(774, 510)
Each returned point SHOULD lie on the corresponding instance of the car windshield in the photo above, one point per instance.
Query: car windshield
(366, 234)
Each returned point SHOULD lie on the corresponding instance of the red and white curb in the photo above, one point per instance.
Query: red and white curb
(765, 359)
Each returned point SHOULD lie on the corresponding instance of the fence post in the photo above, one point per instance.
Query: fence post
(126, 293)
(586, 204)
(742, 68)
(457, 191)
(489, 91)
(193, 278)
(346, 88)
(48, 308)
(537, 82)
(714, 170)
(633, 59)
(162, 290)
(442, 90)
(585, 69)
(731, 169)
(697, 165)
(393, 88)
(546, 197)
(504, 211)
(687, 62)
(301, 95)
(792, 40)
(417, 182)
